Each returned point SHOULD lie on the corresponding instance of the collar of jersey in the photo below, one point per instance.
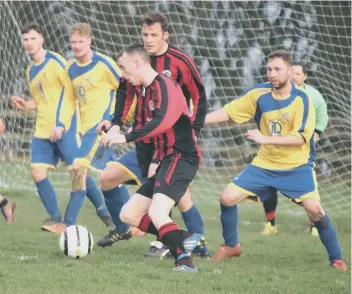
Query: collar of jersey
(286, 97)
(88, 62)
(40, 62)
(167, 50)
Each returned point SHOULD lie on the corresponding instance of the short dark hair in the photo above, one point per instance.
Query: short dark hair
(32, 26)
(281, 54)
(153, 17)
(135, 48)
(303, 65)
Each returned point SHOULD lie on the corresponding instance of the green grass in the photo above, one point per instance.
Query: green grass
(290, 262)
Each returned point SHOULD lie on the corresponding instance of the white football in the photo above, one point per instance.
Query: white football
(76, 242)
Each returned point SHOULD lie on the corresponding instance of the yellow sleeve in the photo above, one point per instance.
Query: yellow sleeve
(63, 60)
(28, 83)
(242, 109)
(130, 115)
(304, 120)
(27, 75)
(114, 73)
(67, 104)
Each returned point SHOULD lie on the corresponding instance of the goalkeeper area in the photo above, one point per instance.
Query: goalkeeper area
(229, 41)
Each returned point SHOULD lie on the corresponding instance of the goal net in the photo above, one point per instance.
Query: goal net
(229, 42)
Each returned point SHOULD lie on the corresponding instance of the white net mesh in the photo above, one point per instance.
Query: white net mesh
(229, 42)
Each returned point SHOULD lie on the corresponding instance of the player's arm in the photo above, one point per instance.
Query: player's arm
(113, 73)
(125, 104)
(321, 112)
(166, 115)
(216, 116)
(67, 103)
(19, 102)
(239, 110)
(196, 89)
(289, 140)
(304, 120)
(2, 126)
(31, 104)
(302, 131)
(114, 77)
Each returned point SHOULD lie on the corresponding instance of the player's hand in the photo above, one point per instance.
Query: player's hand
(117, 139)
(113, 138)
(56, 134)
(114, 129)
(129, 130)
(104, 126)
(2, 126)
(106, 138)
(18, 102)
(256, 136)
(316, 137)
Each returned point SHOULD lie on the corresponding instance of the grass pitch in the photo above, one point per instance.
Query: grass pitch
(290, 262)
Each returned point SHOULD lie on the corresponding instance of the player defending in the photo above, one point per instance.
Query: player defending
(51, 140)
(321, 114)
(177, 65)
(285, 117)
(7, 207)
(166, 120)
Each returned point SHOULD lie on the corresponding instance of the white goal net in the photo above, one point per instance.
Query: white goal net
(229, 41)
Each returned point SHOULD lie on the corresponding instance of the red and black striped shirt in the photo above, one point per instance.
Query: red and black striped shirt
(165, 118)
(181, 68)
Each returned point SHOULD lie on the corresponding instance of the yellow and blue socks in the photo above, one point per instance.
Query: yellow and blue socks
(115, 199)
(328, 237)
(229, 221)
(48, 197)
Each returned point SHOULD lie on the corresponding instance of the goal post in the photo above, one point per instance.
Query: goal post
(229, 41)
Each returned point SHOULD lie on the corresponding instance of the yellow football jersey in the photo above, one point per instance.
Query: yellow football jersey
(94, 85)
(47, 89)
(293, 115)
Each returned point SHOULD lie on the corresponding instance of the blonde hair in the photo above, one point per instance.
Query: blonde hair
(82, 29)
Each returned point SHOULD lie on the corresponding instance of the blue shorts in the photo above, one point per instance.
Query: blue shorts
(298, 183)
(129, 162)
(47, 154)
(91, 154)
(102, 157)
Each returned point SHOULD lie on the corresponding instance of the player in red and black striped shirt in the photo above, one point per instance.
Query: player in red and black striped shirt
(165, 118)
(172, 62)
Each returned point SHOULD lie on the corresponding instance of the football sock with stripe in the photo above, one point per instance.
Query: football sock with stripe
(171, 237)
(146, 225)
(270, 208)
